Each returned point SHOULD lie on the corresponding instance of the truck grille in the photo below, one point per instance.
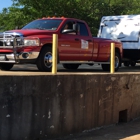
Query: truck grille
(7, 39)
(1, 43)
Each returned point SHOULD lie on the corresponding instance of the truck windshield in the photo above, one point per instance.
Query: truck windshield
(44, 24)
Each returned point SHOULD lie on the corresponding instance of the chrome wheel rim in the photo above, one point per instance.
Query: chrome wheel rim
(48, 60)
(116, 62)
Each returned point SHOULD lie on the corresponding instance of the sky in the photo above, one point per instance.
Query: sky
(5, 4)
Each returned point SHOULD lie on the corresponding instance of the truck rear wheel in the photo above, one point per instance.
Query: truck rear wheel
(71, 66)
(6, 66)
(44, 61)
(133, 63)
(106, 67)
(126, 63)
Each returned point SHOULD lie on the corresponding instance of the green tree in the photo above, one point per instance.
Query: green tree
(24, 11)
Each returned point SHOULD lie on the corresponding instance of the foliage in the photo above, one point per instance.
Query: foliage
(23, 11)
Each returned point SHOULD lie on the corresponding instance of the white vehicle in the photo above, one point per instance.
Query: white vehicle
(125, 28)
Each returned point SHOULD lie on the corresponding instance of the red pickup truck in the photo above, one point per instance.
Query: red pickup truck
(33, 45)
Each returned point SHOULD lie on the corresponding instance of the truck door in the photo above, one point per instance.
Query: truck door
(85, 42)
(69, 44)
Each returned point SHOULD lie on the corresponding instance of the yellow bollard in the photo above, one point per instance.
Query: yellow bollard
(54, 53)
(112, 63)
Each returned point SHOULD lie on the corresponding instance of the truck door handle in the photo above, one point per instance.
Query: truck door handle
(77, 39)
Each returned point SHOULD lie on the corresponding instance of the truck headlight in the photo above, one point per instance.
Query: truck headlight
(31, 42)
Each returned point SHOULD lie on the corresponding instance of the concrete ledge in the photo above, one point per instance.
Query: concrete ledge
(49, 106)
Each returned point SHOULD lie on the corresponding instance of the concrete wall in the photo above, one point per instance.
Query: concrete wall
(49, 106)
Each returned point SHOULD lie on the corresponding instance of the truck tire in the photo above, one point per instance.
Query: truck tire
(133, 63)
(106, 67)
(6, 66)
(44, 61)
(71, 66)
(126, 63)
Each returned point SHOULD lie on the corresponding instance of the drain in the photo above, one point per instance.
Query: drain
(123, 116)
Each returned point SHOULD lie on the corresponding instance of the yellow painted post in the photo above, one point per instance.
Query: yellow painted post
(54, 53)
(112, 64)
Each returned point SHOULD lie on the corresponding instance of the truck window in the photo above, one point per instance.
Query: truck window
(83, 29)
(43, 24)
(68, 25)
(68, 28)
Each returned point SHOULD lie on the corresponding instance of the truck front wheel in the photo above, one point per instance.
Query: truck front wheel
(44, 61)
(106, 67)
(6, 66)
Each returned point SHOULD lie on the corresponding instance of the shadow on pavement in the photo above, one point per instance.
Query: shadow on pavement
(122, 131)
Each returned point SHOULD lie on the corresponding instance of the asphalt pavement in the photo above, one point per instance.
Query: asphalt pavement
(122, 131)
(84, 68)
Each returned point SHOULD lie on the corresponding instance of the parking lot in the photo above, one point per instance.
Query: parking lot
(32, 69)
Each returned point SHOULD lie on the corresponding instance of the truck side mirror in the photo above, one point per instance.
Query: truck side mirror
(76, 27)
